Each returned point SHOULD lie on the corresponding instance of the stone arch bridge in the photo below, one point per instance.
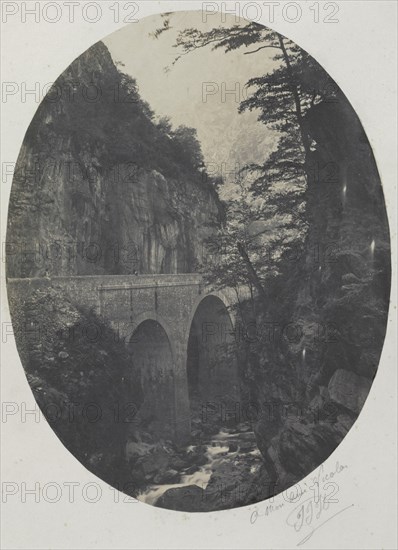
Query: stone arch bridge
(179, 333)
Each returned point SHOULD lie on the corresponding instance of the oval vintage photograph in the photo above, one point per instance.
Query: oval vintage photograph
(198, 261)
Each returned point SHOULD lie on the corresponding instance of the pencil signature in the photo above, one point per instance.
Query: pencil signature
(317, 507)
(307, 513)
(314, 501)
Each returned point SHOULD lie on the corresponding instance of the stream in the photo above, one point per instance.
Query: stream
(223, 448)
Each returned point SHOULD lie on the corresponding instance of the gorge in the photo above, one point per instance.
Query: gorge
(105, 198)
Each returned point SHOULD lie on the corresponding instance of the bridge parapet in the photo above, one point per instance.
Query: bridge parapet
(86, 290)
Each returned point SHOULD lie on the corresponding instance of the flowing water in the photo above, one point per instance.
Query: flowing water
(217, 451)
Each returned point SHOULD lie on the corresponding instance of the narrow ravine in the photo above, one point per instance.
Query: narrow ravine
(227, 447)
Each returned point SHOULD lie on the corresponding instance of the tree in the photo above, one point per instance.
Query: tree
(188, 145)
(282, 99)
(164, 126)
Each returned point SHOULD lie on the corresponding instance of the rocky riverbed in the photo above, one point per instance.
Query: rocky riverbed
(217, 473)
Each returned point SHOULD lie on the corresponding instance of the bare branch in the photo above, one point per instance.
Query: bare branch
(262, 48)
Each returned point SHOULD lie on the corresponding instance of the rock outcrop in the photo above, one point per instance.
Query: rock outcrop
(335, 296)
(100, 187)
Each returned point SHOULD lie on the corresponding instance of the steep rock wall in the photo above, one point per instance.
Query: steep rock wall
(311, 385)
(98, 188)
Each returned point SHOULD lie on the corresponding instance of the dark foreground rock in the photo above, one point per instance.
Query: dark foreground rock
(349, 389)
(187, 499)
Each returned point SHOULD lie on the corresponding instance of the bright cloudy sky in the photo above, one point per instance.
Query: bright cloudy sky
(226, 136)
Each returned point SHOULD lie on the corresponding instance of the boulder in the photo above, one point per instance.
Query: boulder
(348, 389)
(191, 470)
(227, 486)
(157, 461)
(184, 499)
(196, 456)
(302, 447)
(177, 463)
(170, 476)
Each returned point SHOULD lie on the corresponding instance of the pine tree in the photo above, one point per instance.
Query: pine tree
(276, 195)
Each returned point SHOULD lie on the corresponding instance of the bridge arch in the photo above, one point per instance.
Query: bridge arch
(151, 316)
(211, 359)
(223, 297)
(152, 351)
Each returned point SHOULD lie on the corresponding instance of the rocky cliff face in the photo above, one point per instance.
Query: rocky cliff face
(312, 380)
(99, 188)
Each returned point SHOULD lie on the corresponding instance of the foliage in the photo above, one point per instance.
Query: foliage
(187, 142)
(270, 212)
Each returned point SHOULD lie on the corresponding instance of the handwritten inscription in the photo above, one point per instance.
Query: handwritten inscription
(315, 503)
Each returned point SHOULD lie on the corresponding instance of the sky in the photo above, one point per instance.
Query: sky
(193, 92)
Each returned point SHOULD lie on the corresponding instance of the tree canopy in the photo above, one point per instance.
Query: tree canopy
(269, 212)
